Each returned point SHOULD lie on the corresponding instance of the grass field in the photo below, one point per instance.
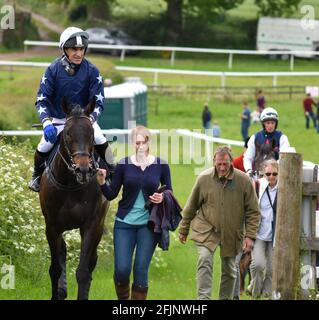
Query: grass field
(175, 279)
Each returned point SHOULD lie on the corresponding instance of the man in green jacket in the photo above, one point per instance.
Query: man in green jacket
(221, 210)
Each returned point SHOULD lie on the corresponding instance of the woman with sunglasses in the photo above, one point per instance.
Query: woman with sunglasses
(139, 177)
(262, 254)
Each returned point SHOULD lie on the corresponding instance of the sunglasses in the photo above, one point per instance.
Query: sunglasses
(268, 174)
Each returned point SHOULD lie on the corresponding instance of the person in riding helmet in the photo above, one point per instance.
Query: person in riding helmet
(74, 77)
(268, 135)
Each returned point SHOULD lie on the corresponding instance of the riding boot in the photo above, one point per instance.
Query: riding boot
(39, 166)
(105, 152)
(139, 293)
(122, 290)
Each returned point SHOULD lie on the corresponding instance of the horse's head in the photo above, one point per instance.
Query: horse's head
(78, 139)
(265, 151)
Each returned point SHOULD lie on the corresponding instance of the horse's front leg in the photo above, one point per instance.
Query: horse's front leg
(54, 240)
(83, 273)
(62, 284)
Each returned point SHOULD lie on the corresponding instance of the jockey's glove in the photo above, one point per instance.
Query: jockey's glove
(50, 132)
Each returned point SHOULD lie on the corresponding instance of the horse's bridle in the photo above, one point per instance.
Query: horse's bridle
(70, 164)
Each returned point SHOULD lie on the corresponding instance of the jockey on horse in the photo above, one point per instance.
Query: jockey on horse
(74, 77)
(269, 135)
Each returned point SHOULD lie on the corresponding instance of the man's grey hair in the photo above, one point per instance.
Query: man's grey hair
(224, 150)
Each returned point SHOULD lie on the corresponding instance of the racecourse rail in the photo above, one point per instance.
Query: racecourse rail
(173, 50)
(156, 71)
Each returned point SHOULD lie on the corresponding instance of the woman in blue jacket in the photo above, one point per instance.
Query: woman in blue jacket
(140, 175)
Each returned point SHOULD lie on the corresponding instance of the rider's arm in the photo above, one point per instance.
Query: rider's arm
(250, 153)
(97, 91)
(43, 100)
(283, 143)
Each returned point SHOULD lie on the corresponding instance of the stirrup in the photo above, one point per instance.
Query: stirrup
(34, 184)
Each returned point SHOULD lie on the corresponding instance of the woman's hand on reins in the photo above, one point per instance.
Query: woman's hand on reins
(100, 176)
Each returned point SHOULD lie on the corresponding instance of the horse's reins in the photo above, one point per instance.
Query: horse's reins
(71, 166)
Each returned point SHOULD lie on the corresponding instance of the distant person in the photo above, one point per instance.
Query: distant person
(222, 210)
(261, 101)
(216, 129)
(245, 120)
(255, 115)
(307, 106)
(317, 107)
(206, 118)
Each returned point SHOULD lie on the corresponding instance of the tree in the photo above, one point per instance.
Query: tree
(203, 9)
(277, 8)
(96, 9)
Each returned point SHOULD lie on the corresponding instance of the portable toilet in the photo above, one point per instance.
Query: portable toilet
(124, 103)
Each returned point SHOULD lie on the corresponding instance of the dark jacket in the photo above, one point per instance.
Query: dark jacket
(80, 88)
(206, 116)
(133, 179)
(165, 217)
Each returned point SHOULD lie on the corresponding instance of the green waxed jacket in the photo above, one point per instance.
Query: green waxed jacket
(221, 211)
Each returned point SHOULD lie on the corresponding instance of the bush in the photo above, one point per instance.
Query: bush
(22, 233)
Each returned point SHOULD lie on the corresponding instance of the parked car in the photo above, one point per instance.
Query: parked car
(110, 36)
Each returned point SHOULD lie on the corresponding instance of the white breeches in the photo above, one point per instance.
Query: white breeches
(46, 146)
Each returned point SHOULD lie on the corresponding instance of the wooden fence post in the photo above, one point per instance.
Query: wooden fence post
(286, 267)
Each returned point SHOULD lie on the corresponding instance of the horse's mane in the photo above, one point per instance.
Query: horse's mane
(77, 111)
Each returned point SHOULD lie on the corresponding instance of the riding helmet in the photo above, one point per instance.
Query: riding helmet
(269, 114)
(73, 37)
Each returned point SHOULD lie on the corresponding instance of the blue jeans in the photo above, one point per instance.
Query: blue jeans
(128, 238)
(313, 117)
(244, 131)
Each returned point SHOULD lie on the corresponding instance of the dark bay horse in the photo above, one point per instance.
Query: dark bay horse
(70, 198)
(264, 152)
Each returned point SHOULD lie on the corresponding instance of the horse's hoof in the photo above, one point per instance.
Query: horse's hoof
(62, 294)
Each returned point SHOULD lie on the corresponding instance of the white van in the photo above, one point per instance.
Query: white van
(287, 34)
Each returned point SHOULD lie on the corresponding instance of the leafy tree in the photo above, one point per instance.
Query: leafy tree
(202, 9)
(277, 8)
(96, 9)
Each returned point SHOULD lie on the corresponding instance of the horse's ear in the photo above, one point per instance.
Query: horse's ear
(90, 107)
(65, 105)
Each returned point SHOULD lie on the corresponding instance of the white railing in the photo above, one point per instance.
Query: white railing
(230, 52)
(120, 132)
(220, 74)
(157, 71)
(209, 140)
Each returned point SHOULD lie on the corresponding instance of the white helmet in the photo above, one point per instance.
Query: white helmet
(80, 38)
(269, 114)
